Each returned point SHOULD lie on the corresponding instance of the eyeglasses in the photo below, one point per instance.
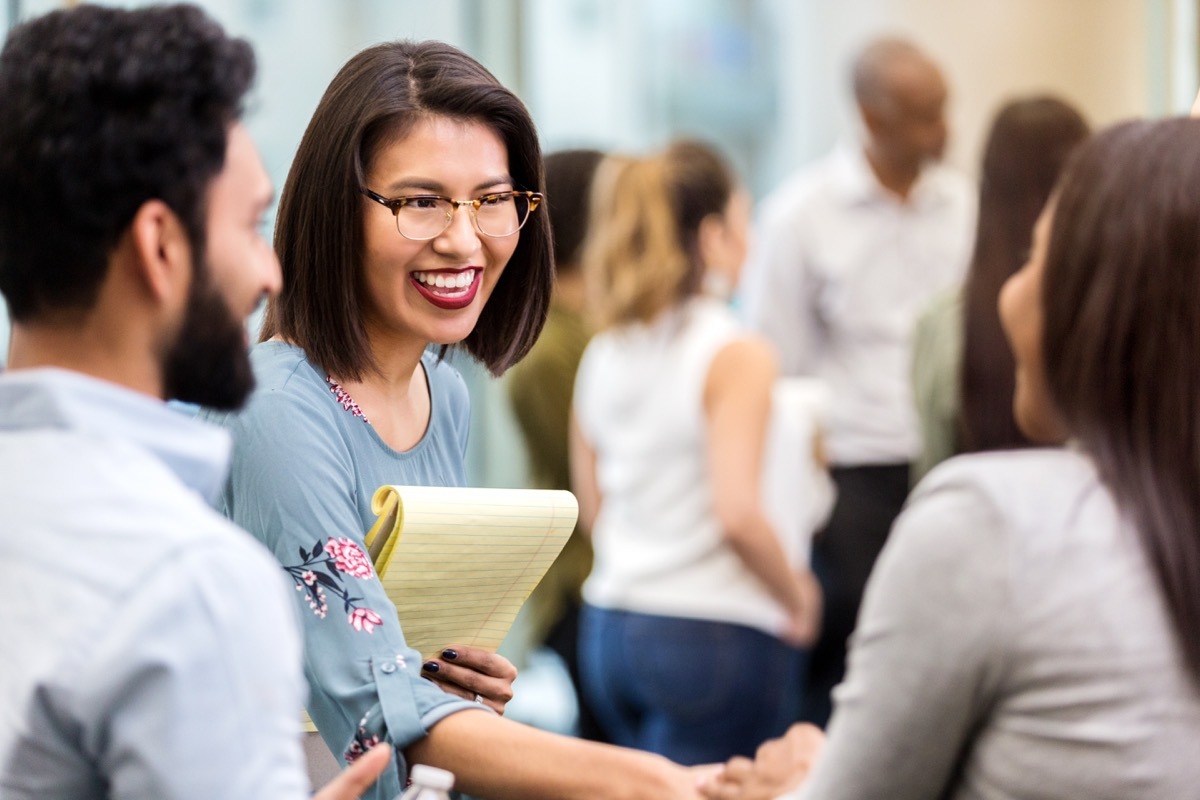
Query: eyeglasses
(427, 216)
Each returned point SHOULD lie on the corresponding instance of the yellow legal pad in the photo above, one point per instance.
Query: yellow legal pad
(459, 563)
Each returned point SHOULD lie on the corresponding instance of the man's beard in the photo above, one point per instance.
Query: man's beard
(208, 364)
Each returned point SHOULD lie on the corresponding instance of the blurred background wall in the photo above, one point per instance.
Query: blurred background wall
(765, 79)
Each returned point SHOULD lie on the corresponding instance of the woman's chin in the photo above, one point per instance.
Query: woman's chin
(451, 334)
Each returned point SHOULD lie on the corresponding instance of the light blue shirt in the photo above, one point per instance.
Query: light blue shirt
(306, 464)
(147, 648)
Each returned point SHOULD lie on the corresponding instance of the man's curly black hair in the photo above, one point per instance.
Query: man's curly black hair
(101, 110)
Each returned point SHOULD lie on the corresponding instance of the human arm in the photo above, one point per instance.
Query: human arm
(737, 406)
(583, 477)
(503, 760)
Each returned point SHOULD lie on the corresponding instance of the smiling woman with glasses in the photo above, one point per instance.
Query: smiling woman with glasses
(382, 273)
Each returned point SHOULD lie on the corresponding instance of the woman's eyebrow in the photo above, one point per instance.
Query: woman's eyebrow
(492, 183)
(435, 187)
(420, 184)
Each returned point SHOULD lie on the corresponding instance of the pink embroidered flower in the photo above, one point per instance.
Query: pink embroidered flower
(349, 557)
(309, 577)
(357, 748)
(319, 605)
(365, 619)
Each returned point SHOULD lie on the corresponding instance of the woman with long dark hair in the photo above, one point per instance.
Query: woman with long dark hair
(1032, 629)
(962, 364)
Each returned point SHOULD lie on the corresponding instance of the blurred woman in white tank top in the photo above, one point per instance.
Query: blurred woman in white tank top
(696, 615)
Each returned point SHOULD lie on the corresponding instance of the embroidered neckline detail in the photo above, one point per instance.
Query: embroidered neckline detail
(344, 399)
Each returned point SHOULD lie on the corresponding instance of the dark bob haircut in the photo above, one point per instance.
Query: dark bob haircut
(101, 110)
(375, 99)
(1121, 296)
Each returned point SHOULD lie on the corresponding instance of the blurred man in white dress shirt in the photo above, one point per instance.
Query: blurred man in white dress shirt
(848, 253)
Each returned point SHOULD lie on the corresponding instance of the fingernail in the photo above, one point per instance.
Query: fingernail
(430, 666)
(450, 654)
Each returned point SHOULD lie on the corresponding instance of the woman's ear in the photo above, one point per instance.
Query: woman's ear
(710, 238)
(162, 252)
(721, 263)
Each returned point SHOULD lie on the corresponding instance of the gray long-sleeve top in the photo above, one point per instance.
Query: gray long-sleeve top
(1013, 643)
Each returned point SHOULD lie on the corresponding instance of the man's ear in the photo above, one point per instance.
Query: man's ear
(162, 251)
(871, 117)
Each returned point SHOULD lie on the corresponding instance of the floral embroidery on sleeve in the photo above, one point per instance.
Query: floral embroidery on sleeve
(360, 745)
(349, 558)
(364, 741)
(323, 569)
(365, 619)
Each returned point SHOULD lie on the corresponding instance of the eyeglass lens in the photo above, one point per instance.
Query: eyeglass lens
(427, 217)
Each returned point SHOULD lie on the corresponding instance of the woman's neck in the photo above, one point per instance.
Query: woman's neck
(394, 396)
(396, 360)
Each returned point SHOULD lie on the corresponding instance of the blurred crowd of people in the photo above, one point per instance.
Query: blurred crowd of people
(889, 486)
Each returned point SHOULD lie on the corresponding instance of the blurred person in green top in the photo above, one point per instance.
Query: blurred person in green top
(539, 389)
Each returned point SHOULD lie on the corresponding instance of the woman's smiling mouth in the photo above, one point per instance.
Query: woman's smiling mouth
(447, 288)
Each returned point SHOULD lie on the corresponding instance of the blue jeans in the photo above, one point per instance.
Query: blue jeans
(695, 691)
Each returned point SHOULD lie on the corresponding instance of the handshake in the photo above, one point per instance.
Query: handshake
(779, 768)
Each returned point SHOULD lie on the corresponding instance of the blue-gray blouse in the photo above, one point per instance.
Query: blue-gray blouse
(306, 463)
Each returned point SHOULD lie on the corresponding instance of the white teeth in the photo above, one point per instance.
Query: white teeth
(442, 280)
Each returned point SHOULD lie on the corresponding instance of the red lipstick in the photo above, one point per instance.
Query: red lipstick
(451, 297)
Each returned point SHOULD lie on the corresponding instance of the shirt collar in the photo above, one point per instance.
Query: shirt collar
(857, 183)
(53, 398)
